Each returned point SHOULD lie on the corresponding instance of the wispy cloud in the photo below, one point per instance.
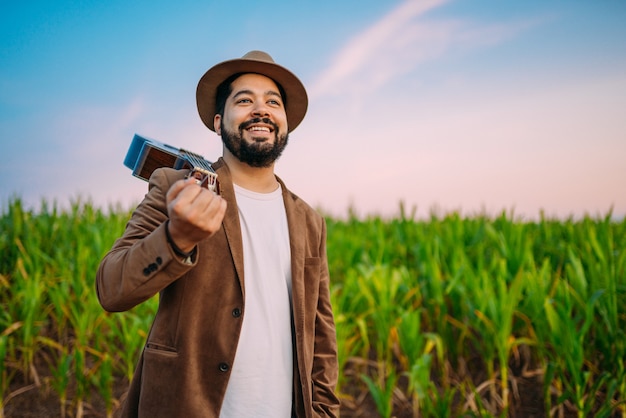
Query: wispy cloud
(398, 42)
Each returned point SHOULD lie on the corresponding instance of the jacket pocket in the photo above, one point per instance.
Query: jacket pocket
(161, 349)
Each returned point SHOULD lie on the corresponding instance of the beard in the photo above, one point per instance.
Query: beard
(257, 153)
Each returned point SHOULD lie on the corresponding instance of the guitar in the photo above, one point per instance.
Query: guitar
(146, 155)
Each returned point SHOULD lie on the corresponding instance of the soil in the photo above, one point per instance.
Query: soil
(38, 402)
(527, 400)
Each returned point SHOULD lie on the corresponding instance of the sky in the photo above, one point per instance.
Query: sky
(469, 106)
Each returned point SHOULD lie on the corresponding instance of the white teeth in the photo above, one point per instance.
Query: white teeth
(259, 128)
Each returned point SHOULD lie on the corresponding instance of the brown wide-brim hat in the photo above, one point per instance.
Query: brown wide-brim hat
(258, 62)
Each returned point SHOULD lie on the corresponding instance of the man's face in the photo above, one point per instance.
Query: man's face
(254, 125)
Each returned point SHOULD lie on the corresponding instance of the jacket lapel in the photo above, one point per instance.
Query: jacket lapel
(296, 221)
(230, 223)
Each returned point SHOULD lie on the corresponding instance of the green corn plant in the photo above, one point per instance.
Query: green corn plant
(61, 373)
(382, 389)
(7, 342)
(417, 350)
(346, 341)
(570, 318)
(443, 405)
(28, 296)
(85, 320)
(437, 289)
(60, 368)
(4, 372)
(58, 291)
(350, 341)
(104, 381)
(496, 309)
(386, 295)
(512, 242)
(601, 258)
(383, 290)
(79, 354)
(129, 331)
(443, 266)
(474, 405)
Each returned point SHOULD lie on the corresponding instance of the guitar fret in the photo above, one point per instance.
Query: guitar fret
(209, 177)
(197, 160)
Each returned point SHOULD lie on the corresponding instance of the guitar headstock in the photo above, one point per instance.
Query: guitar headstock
(204, 178)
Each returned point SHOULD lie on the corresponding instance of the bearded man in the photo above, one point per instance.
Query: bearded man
(244, 326)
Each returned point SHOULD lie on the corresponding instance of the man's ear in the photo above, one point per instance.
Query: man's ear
(217, 119)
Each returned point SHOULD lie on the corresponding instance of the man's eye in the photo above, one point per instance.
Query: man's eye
(243, 101)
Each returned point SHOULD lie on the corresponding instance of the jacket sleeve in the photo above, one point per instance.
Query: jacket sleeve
(325, 367)
(141, 263)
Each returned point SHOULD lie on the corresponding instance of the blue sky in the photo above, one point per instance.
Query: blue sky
(466, 105)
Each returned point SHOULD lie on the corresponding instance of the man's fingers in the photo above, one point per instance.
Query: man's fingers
(176, 188)
(193, 209)
(215, 211)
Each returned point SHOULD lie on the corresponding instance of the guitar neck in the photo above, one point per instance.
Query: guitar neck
(146, 155)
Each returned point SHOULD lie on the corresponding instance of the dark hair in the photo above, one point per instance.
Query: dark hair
(226, 87)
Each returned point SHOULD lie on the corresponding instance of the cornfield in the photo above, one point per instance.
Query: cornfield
(449, 316)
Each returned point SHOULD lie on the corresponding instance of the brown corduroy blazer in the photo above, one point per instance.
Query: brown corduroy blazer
(185, 365)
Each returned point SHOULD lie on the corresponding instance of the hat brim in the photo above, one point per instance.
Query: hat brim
(296, 100)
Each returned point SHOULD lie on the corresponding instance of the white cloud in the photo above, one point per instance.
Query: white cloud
(398, 43)
(373, 55)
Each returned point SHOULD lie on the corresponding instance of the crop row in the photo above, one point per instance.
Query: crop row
(447, 316)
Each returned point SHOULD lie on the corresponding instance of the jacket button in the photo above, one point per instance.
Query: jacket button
(159, 261)
(224, 367)
(146, 271)
(236, 312)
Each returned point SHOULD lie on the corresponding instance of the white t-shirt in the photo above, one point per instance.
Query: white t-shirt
(261, 378)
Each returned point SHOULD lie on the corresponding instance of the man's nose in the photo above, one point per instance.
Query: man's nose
(260, 109)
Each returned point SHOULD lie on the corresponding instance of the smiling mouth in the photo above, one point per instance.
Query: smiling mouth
(259, 129)
(262, 125)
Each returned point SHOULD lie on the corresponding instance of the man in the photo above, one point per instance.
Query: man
(244, 326)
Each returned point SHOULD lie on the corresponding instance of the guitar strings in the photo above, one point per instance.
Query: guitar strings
(200, 164)
(197, 160)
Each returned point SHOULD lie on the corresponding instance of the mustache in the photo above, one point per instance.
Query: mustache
(245, 125)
